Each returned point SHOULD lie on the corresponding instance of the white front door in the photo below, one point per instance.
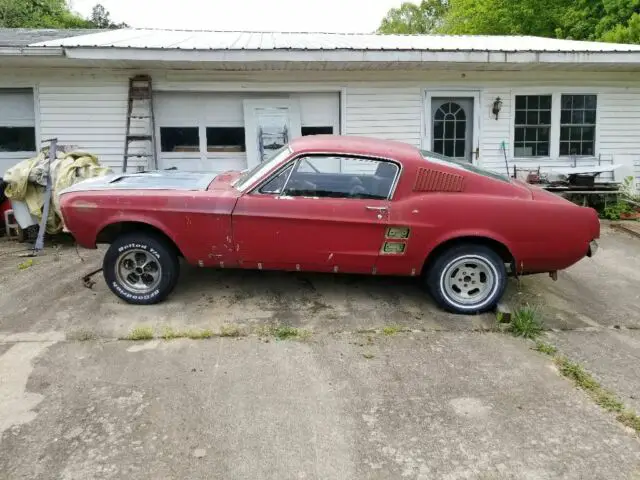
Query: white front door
(269, 125)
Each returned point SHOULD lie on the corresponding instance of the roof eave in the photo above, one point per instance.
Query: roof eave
(397, 56)
(9, 51)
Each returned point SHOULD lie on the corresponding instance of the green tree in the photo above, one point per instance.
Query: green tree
(101, 18)
(505, 17)
(50, 14)
(426, 17)
(39, 14)
(595, 20)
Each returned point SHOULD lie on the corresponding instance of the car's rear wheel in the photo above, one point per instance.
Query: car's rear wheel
(467, 279)
(141, 268)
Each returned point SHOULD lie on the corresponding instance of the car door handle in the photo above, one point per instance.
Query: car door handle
(379, 209)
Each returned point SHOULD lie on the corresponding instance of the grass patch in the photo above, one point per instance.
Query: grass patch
(526, 323)
(230, 331)
(545, 348)
(391, 329)
(140, 333)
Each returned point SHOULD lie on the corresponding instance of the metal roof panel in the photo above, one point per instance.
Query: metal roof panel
(220, 40)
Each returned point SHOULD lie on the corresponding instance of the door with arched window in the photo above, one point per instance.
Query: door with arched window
(452, 127)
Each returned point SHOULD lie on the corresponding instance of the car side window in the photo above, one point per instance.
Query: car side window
(277, 182)
(341, 177)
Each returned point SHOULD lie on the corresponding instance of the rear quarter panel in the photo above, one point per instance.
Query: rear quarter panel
(198, 222)
(542, 235)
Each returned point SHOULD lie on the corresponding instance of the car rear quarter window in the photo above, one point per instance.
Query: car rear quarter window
(442, 160)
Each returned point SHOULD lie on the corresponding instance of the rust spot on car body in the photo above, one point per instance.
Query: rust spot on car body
(84, 205)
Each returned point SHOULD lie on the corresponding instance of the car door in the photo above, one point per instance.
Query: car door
(318, 213)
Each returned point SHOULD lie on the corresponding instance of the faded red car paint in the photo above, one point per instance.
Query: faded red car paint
(226, 227)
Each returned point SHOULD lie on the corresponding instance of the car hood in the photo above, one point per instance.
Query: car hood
(153, 180)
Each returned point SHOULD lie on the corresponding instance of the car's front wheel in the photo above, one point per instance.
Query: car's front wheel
(467, 279)
(141, 268)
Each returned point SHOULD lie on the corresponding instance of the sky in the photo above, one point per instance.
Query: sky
(266, 15)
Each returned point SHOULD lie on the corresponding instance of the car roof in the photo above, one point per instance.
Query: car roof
(349, 144)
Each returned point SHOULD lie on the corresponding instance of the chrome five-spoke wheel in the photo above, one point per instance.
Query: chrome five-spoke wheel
(467, 278)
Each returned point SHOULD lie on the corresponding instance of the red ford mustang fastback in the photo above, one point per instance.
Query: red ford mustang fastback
(332, 204)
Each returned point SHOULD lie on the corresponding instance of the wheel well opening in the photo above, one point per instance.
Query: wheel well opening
(496, 246)
(109, 233)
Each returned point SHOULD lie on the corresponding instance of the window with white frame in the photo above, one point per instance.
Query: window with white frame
(532, 134)
(17, 121)
(555, 125)
(578, 124)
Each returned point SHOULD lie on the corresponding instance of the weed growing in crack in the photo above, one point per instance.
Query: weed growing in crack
(81, 336)
(545, 348)
(283, 332)
(391, 329)
(586, 382)
(630, 419)
(526, 322)
(140, 333)
(168, 333)
(230, 331)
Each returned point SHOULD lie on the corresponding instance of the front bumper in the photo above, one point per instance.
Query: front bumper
(593, 248)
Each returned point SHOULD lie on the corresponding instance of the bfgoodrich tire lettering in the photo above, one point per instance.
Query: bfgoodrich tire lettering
(141, 268)
(467, 279)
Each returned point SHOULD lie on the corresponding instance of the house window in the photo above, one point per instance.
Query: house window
(17, 139)
(226, 139)
(578, 124)
(17, 120)
(179, 139)
(316, 131)
(532, 126)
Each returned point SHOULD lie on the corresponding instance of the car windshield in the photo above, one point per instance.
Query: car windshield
(248, 176)
(441, 159)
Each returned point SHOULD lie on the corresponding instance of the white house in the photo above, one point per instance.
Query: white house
(214, 92)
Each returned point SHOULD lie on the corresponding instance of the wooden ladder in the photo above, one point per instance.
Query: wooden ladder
(140, 107)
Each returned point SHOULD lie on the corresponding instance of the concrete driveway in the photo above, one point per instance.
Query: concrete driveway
(444, 399)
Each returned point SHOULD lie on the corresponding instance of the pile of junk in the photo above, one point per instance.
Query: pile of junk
(30, 189)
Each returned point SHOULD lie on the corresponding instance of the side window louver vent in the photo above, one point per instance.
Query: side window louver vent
(429, 180)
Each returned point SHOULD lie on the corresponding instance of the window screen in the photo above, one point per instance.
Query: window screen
(179, 139)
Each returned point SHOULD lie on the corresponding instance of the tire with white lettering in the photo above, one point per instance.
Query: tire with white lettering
(467, 279)
(141, 268)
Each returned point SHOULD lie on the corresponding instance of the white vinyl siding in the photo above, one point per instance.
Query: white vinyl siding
(618, 129)
(88, 113)
(493, 132)
(17, 109)
(392, 113)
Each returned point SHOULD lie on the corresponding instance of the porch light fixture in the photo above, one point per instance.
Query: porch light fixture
(497, 106)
